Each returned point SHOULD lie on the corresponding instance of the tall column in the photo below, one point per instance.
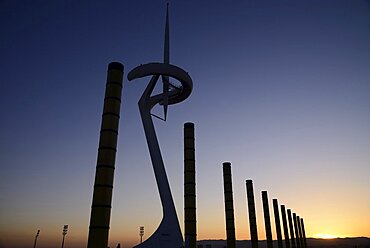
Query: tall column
(103, 186)
(300, 231)
(291, 228)
(252, 214)
(285, 226)
(277, 223)
(189, 187)
(229, 205)
(304, 233)
(298, 241)
(266, 213)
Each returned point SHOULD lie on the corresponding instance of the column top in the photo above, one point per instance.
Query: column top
(189, 124)
(226, 164)
(115, 66)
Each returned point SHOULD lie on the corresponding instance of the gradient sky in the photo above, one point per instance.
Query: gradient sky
(281, 90)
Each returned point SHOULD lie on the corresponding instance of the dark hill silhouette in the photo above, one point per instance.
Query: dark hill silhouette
(360, 242)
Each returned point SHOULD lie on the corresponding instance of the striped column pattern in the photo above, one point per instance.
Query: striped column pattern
(229, 205)
(103, 186)
(189, 187)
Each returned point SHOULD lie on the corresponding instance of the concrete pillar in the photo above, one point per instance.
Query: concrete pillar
(300, 231)
(190, 224)
(229, 205)
(277, 223)
(266, 214)
(252, 214)
(285, 226)
(304, 233)
(103, 186)
(298, 241)
(293, 243)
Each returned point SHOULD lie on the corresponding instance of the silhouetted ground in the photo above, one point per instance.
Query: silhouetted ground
(361, 242)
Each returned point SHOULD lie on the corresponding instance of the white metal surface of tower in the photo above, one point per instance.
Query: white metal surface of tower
(168, 234)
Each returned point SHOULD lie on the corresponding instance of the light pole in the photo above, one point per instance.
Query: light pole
(37, 234)
(65, 229)
(141, 233)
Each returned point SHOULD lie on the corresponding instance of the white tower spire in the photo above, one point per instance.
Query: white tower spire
(166, 60)
(168, 233)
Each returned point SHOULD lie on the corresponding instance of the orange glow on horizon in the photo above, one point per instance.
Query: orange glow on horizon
(325, 236)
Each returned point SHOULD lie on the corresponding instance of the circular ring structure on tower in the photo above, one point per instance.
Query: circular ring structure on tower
(165, 70)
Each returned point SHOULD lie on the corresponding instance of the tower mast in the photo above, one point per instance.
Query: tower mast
(166, 60)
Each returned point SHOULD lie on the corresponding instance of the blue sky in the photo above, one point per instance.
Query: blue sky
(281, 89)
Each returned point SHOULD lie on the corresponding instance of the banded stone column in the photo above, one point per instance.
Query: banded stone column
(229, 205)
(252, 214)
(291, 228)
(304, 233)
(285, 226)
(298, 241)
(277, 223)
(266, 214)
(103, 186)
(190, 224)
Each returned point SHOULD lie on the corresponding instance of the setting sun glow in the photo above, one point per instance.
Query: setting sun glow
(325, 236)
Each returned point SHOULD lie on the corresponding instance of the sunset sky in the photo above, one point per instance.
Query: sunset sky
(281, 90)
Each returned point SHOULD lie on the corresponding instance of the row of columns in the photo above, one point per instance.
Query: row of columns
(294, 224)
(297, 237)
